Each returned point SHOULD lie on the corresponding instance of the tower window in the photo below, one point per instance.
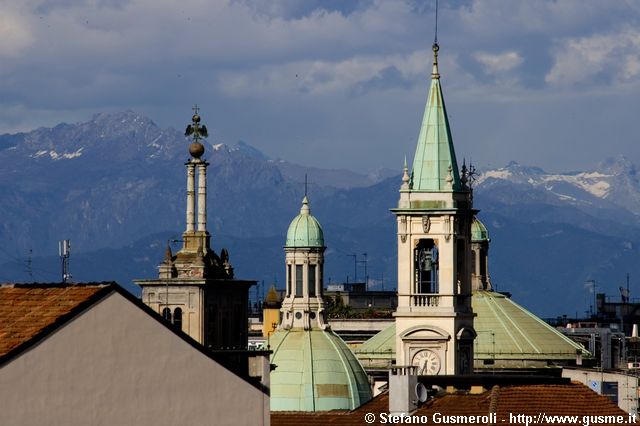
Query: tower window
(166, 314)
(298, 280)
(288, 280)
(312, 280)
(177, 318)
(426, 268)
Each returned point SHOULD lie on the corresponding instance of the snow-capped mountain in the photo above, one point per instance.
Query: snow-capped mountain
(119, 178)
(604, 200)
(114, 185)
(613, 182)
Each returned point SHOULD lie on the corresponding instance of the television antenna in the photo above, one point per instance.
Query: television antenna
(64, 251)
(28, 264)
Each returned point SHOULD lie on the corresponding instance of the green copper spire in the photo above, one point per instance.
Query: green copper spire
(434, 166)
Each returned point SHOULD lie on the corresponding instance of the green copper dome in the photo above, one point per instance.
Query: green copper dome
(315, 371)
(305, 230)
(479, 232)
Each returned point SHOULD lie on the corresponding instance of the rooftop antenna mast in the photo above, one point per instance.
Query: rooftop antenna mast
(355, 267)
(64, 250)
(29, 265)
(366, 274)
(628, 292)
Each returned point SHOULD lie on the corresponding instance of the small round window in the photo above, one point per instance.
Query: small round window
(298, 315)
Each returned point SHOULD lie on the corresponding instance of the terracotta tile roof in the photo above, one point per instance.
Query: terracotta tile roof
(528, 400)
(574, 399)
(379, 404)
(27, 310)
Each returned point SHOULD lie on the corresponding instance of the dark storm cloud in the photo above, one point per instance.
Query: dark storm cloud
(521, 78)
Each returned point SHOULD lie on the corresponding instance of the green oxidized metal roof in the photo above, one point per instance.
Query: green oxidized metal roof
(316, 371)
(434, 166)
(305, 230)
(518, 334)
(382, 346)
(479, 232)
(505, 331)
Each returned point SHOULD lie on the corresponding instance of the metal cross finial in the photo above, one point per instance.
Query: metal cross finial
(195, 108)
(306, 184)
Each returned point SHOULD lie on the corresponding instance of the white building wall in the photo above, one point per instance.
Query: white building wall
(116, 365)
(627, 385)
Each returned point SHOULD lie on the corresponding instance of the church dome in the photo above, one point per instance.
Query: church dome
(315, 371)
(305, 230)
(479, 232)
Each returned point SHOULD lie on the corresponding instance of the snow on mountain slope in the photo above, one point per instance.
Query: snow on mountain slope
(614, 183)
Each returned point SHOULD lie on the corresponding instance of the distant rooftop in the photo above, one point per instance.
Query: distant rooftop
(570, 399)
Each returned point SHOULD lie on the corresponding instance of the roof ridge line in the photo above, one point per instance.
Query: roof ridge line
(493, 401)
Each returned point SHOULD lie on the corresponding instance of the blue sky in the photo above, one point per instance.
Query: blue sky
(337, 83)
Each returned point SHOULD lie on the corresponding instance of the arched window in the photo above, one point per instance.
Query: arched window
(166, 314)
(177, 318)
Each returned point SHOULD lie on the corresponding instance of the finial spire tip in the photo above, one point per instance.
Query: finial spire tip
(197, 132)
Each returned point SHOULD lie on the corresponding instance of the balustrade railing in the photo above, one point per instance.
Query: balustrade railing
(426, 300)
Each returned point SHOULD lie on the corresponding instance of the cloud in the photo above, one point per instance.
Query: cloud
(499, 18)
(499, 62)
(324, 77)
(332, 63)
(614, 57)
(15, 33)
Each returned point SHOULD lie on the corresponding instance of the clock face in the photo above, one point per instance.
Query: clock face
(427, 361)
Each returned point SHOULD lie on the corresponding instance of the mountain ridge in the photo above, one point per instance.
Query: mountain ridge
(114, 183)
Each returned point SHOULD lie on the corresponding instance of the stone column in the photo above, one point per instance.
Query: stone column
(191, 199)
(202, 196)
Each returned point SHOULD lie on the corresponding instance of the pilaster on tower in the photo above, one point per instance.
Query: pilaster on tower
(191, 199)
(202, 197)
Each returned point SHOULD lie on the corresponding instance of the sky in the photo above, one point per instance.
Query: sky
(337, 84)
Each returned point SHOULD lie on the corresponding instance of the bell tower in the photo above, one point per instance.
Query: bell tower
(303, 306)
(434, 317)
(196, 290)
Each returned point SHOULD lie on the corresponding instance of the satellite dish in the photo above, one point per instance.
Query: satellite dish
(421, 392)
